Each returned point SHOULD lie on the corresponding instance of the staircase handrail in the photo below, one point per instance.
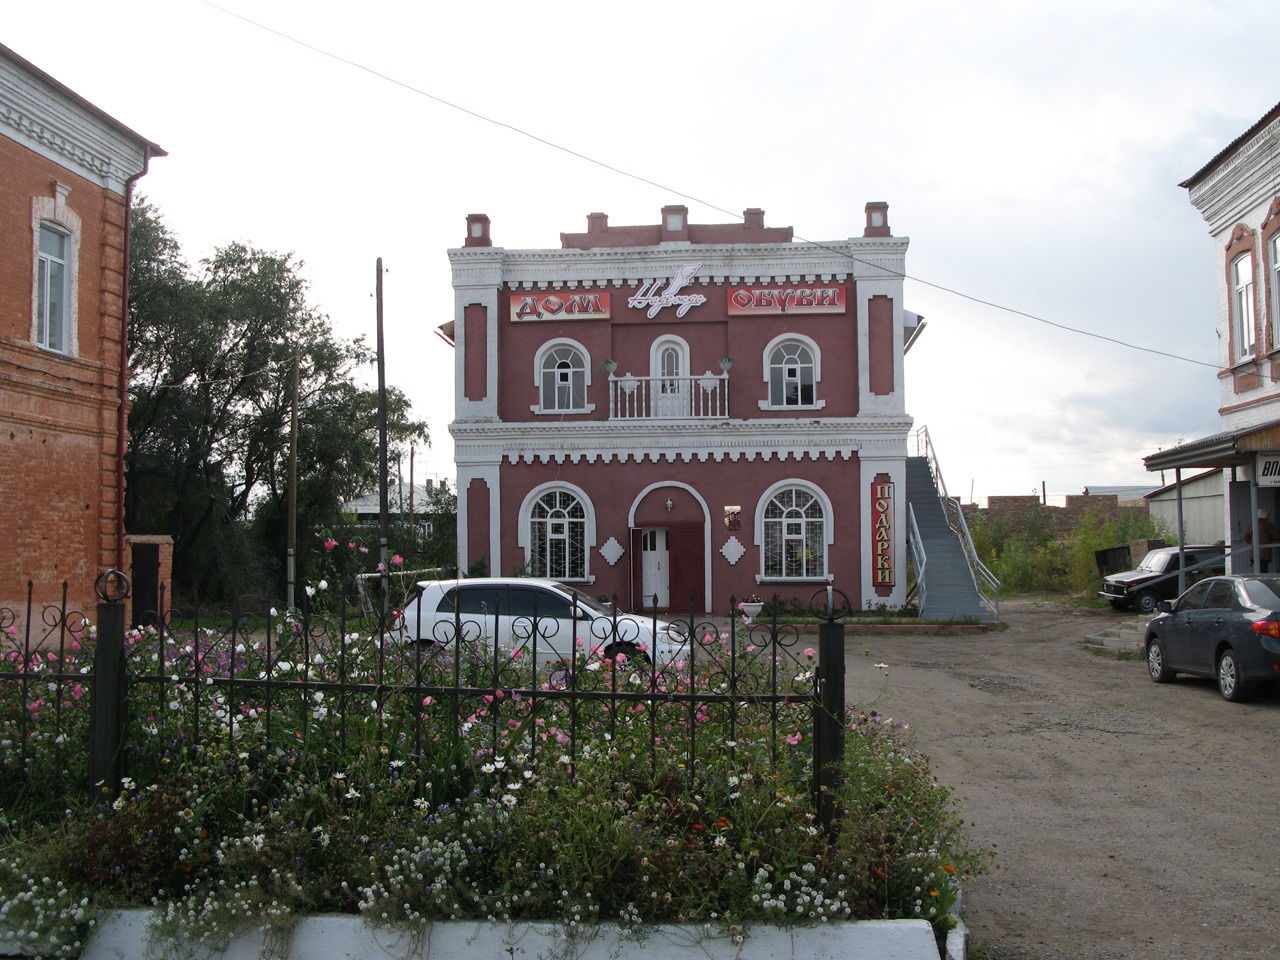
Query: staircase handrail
(916, 545)
(986, 583)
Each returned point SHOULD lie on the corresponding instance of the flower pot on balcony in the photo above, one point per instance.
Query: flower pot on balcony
(751, 609)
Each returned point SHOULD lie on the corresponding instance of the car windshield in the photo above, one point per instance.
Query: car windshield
(1264, 593)
(1155, 562)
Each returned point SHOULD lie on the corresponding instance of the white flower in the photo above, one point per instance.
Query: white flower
(323, 585)
(273, 612)
(311, 591)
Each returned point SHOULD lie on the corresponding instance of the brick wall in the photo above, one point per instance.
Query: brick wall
(58, 414)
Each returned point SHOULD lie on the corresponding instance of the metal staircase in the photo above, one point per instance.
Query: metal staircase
(951, 582)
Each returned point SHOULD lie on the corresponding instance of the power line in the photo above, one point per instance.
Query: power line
(519, 131)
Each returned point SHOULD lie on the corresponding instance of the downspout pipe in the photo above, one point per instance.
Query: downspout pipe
(122, 416)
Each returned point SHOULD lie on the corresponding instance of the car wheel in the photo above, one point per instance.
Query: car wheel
(1119, 604)
(631, 653)
(1145, 601)
(1230, 682)
(1156, 664)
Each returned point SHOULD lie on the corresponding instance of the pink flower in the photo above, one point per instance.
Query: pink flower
(397, 560)
(795, 738)
(330, 543)
(809, 651)
(351, 544)
(427, 701)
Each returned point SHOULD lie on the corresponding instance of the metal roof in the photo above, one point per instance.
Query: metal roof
(1227, 449)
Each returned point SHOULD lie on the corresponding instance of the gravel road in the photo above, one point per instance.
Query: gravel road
(1130, 820)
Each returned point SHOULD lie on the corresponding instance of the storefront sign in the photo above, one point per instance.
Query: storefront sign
(1268, 469)
(560, 305)
(762, 301)
(648, 295)
(882, 532)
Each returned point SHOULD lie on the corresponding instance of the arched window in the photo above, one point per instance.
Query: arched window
(558, 536)
(795, 535)
(792, 375)
(562, 381)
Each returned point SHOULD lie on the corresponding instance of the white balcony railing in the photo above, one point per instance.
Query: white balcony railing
(669, 398)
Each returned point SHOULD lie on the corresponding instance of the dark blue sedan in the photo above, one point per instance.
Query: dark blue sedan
(1227, 628)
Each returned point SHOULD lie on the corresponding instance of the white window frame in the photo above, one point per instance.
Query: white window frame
(588, 521)
(52, 213)
(815, 353)
(1244, 322)
(828, 525)
(541, 357)
(1273, 261)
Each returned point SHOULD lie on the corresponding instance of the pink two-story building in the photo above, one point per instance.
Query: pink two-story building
(680, 413)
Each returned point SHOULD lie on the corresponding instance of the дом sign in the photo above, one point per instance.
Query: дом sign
(560, 305)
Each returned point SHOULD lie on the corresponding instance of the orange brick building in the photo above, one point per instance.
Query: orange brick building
(67, 172)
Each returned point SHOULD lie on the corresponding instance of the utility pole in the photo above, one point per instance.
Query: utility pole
(382, 457)
(291, 554)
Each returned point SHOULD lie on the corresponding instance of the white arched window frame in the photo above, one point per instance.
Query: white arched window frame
(1244, 323)
(793, 532)
(557, 532)
(792, 366)
(669, 376)
(561, 377)
(55, 275)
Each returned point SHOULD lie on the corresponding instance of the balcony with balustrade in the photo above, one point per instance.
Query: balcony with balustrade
(704, 397)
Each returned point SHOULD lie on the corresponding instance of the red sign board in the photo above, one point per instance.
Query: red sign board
(560, 305)
(882, 532)
(766, 301)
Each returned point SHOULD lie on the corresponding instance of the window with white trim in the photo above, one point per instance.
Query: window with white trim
(51, 289)
(795, 535)
(792, 370)
(558, 536)
(1273, 262)
(562, 378)
(55, 267)
(1244, 335)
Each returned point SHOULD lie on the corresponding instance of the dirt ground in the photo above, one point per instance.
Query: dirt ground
(1130, 820)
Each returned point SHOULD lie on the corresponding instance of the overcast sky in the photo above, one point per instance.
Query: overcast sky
(1030, 150)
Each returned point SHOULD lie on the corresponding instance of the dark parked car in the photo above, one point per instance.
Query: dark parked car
(1223, 627)
(1156, 577)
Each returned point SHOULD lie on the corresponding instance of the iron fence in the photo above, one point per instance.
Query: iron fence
(93, 702)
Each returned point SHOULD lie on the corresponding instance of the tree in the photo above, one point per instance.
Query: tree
(211, 357)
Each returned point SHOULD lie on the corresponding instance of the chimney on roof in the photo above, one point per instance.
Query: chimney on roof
(477, 231)
(753, 218)
(675, 222)
(877, 220)
(597, 222)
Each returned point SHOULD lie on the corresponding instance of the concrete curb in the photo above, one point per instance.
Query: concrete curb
(123, 935)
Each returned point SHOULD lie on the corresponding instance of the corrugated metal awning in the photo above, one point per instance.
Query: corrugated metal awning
(1229, 449)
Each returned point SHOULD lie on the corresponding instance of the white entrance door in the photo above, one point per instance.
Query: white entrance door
(654, 567)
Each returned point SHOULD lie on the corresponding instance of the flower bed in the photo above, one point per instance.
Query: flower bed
(404, 812)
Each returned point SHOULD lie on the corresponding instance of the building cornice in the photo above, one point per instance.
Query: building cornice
(1239, 181)
(684, 441)
(877, 258)
(44, 116)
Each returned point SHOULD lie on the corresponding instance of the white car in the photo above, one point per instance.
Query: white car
(568, 621)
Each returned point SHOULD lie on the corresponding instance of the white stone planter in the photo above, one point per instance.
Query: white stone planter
(123, 935)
